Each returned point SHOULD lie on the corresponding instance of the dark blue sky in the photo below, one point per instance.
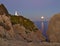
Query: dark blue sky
(33, 9)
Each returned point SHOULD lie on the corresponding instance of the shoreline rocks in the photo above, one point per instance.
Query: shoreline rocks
(53, 31)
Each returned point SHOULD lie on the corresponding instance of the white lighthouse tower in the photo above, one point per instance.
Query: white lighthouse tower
(16, 13)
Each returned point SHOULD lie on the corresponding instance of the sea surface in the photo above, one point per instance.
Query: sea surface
(38, 24)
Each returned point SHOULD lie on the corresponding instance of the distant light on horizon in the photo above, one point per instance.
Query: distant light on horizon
(42, 17)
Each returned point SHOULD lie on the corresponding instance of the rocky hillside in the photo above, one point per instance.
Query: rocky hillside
(53, 31)
(3, 9)
(17, 28)
(23, 21)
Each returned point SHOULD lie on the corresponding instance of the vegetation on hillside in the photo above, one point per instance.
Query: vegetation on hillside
(18, 19)
(23, 21)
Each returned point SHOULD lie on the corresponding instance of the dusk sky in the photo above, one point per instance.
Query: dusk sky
(33, 9)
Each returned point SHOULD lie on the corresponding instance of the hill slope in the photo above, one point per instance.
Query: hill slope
(18, 27)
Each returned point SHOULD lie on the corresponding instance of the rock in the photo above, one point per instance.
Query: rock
(8, 23)
(5, 23)
(22, 43)
(6, 26)
(35, 36)
(53, 31)
(3, 10)
(19, 32)
(29, 36)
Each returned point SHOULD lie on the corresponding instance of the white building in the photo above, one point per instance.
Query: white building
(16, 13)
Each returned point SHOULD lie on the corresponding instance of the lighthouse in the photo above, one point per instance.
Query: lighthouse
(16, 13)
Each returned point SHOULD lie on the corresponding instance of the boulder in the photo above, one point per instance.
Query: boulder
(53, 31)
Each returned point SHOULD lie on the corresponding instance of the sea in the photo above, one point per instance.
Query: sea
(38, 24)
